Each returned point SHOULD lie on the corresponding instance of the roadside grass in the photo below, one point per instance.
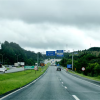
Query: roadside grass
(18, 67)
(11, 81)
(7, 68)
(82, 75)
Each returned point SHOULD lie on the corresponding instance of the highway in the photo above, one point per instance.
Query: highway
(57, 85)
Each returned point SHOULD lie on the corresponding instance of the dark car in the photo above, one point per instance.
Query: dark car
(58, 69)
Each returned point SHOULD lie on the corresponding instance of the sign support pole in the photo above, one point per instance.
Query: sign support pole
(35, 71)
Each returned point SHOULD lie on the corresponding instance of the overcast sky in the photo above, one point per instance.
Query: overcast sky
(41, 25)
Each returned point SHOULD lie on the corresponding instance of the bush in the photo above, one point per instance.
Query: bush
(92, 69)
(97, 69)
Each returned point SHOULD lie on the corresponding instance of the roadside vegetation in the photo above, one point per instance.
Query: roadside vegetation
(90, 59)
(11, 51)
(7, 68)
(11, 81)
(97, 78)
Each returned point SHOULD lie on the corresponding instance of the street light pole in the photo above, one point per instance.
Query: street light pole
(64, 56)
(2, 58)
(5, 60)
(17, 57)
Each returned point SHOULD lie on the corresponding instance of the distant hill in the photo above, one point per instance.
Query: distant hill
(12, 53)
(94, 49)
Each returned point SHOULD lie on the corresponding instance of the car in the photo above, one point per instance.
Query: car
(58, 69)
(2, 68)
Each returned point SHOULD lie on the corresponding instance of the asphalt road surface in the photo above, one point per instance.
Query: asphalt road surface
(14, 69)
(58, 85)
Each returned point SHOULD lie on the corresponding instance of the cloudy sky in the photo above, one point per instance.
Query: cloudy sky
(41, 25)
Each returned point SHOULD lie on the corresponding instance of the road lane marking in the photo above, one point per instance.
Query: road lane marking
(65, 87)
(62, 82)
(76, 98)
(83, 80)
(23, 86)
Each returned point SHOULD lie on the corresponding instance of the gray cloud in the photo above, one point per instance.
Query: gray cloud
(50, 24)
(73, 12)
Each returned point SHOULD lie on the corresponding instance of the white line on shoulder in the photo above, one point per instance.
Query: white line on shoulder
(84, 80)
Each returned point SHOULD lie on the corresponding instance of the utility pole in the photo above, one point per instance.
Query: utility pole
(64, 56)
(72, 60)
(17, 57)
(37, 59)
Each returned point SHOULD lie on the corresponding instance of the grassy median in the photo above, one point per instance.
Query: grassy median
(11, 81)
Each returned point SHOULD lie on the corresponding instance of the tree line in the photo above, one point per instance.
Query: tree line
(86, 59)
(11, 53)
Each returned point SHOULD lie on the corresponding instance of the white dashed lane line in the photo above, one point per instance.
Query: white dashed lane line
(76, 98)
(65, 87)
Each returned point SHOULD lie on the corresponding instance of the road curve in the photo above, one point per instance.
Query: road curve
(58, 85)
(14, 69)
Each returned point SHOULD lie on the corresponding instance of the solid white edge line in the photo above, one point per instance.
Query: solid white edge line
(21, 88)
(84, 80)
(75, 97)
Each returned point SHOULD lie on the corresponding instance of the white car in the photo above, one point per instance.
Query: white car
(2, 68)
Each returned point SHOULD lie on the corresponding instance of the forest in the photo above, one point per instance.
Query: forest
(90, 59)
(11, 53)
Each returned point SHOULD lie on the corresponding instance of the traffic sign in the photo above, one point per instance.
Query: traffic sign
(66, 69)
(50, 53)
(60, 53)
(83, 68)
(35, 68)
(28, 67)
(69, 65)
(58, 64)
